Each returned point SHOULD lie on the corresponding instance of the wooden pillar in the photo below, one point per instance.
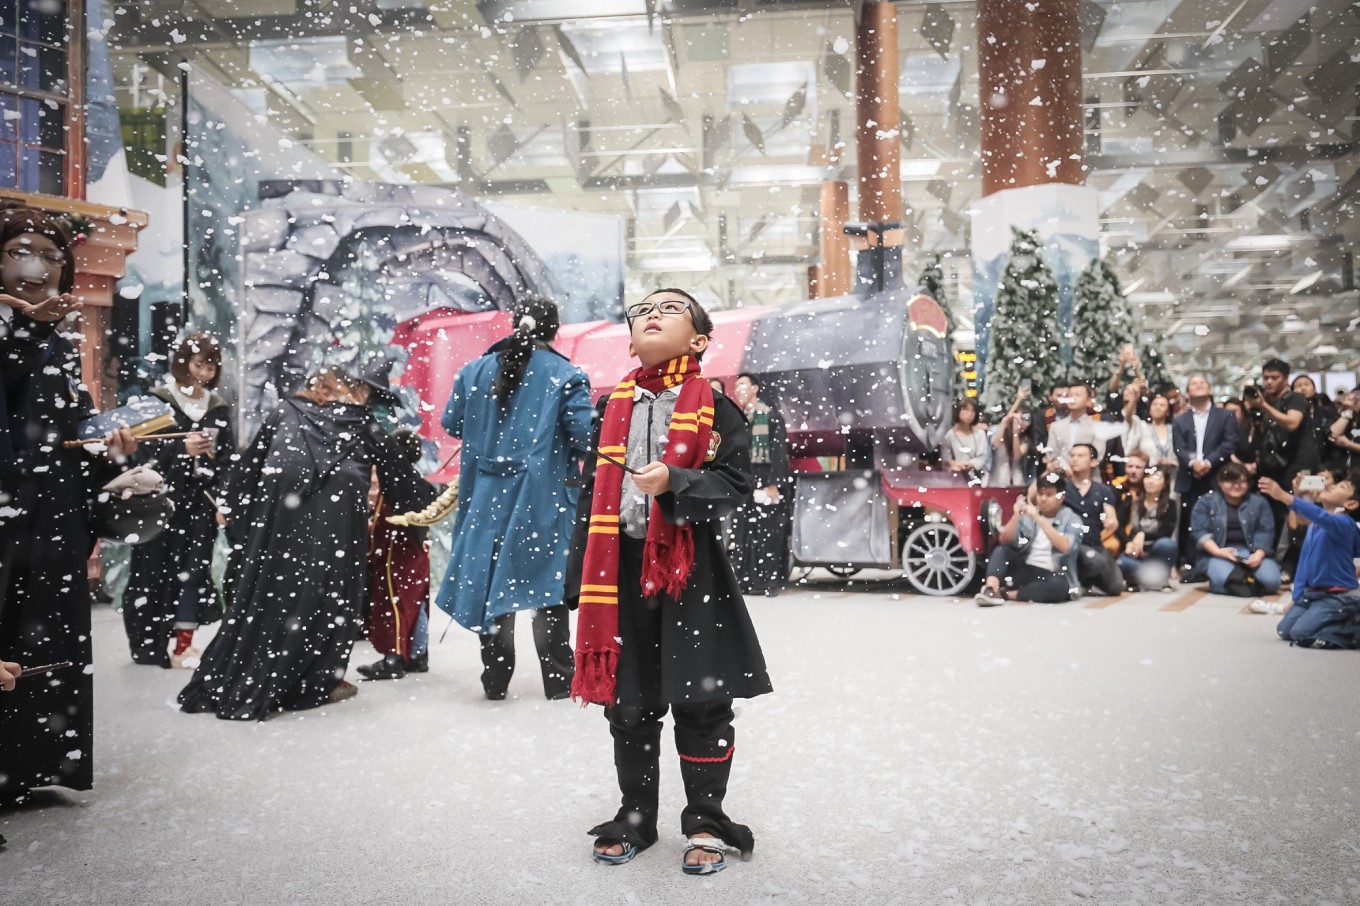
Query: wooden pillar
(878, 116)
(1029, 60)
(73, 170)
(835, 277)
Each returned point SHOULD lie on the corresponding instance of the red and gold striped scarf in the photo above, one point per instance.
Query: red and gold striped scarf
(668, 552)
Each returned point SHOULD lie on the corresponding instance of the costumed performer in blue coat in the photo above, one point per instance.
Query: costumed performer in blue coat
(524, 415)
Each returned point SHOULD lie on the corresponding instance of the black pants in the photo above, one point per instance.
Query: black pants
(552, 638)
(1097, 568)
(1031, 583)
(1189, 547)
(705, 741)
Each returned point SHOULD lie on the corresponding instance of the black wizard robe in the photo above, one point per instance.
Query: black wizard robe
(704, 648)
(760, 528)
(299, 501)
(179, 560)
(47, 722)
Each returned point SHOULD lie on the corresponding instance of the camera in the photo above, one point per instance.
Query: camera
(1251, 392)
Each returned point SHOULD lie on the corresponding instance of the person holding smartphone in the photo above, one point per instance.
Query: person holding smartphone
(1326, 600)
(1012, 440)
(170, 589)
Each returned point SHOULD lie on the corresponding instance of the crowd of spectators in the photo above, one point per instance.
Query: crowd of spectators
(1151, 487)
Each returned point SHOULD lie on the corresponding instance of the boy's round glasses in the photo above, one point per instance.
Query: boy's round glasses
(21, 254)
(673, 308)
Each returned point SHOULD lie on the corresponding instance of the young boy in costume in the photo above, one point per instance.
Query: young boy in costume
(662, 623)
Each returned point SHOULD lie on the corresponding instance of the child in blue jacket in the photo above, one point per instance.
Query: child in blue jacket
(1326, 609)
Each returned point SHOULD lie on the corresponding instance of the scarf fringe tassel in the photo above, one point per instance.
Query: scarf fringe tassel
(594, 680)
(666, 565)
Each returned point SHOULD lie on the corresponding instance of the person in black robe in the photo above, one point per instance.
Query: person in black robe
(298, 504)
(46, 494)
(760, 529)
(170, 587)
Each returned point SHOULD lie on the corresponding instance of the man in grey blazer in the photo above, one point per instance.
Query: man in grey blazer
(1077, 427)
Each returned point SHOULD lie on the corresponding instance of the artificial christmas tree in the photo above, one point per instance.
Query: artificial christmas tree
(1102, 324)
(1154, 363)
(1024, 340)
(931, 283)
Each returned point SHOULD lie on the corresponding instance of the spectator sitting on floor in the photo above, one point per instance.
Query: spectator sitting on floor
(1037, 557)
(1102, 542)
(1233, 528)
(1151, 528)
(1129, 486)
(1326, 600)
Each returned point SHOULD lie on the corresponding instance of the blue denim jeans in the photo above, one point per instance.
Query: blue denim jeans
(1218, 570)
(1323, 619)
(1161, 551)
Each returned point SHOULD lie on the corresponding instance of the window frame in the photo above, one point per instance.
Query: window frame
(70, 104)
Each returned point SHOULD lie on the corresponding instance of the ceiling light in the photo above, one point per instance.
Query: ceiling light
(1266, 242)
(1156, 297)
(605, 45)
(316, 61)
(919, 168)
(770, 83)
(1305, 282)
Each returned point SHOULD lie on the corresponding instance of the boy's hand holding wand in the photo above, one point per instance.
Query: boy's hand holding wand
(653, 479)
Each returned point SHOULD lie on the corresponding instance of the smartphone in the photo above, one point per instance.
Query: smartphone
(1312, 483)
(1026, 384)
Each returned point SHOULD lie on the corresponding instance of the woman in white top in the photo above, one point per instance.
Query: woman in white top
(1152, 436)
(964, 448)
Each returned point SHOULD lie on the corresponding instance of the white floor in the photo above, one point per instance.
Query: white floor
(1163, 749)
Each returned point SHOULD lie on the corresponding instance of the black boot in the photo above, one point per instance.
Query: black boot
(390, 667)
(419, 663)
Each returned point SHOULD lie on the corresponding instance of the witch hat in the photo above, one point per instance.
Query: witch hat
(377, 375)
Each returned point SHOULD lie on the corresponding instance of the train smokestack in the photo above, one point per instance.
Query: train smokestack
(877, 141)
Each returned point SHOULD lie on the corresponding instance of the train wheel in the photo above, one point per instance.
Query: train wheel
(934, 561)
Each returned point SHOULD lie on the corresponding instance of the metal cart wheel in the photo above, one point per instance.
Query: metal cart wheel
(934, 561)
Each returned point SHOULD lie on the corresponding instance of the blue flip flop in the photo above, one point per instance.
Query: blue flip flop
(629, 852)
(708, 844)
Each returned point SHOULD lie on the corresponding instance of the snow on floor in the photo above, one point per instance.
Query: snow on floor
(915, 751)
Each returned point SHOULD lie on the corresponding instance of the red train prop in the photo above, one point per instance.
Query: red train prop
(865, 384)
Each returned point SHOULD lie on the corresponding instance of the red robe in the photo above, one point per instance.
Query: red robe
(398, 582)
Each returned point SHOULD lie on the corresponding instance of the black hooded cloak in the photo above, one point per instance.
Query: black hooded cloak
(300, 519)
